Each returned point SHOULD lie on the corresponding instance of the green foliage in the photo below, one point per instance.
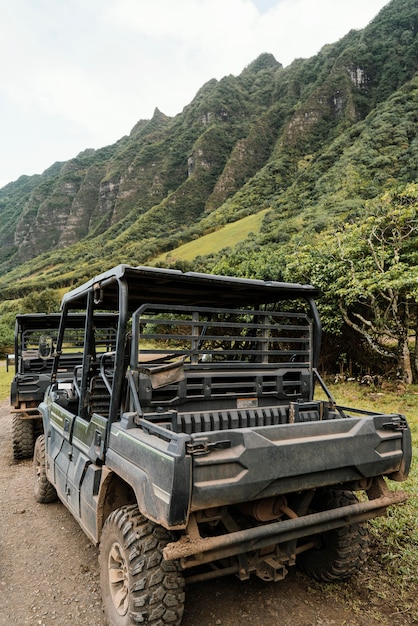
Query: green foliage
(8, 311)
(6, 333)
(368, 271)
(250, 260)
(6, 376)
(45, 301)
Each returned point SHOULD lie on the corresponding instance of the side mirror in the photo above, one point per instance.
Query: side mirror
(45, 347)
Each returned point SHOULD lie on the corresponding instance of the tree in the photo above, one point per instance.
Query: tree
(46, 301)
(6, 333)
(368, 271)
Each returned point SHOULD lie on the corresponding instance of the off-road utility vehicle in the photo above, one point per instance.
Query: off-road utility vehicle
(197, 448)
(34, 343)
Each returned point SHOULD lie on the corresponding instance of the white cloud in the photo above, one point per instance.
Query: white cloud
(299, 28)
(189, 21)
(79, 74)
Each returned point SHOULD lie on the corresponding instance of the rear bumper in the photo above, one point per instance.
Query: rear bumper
(268, 461)
(196, 550)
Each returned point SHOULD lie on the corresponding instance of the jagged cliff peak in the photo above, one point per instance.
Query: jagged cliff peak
(264, 61)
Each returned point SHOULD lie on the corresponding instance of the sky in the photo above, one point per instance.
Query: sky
(78, 74)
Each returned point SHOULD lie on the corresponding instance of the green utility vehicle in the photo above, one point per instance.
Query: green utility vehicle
(196, 447)
(34, 344)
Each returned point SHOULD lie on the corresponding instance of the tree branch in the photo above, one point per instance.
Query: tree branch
(375, 345)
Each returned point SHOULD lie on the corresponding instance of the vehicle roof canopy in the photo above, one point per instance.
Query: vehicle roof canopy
(167, 286)
(50, 321)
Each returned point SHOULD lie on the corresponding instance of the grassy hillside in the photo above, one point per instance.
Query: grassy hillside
(227, 237)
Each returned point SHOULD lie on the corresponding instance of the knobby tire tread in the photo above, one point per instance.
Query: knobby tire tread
(22, 437)
(343, 551)
(156, 586)
(44, 491)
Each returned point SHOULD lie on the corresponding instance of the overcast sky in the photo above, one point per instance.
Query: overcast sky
(79, 74)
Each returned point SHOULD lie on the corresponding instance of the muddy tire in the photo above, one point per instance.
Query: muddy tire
(38, 428)
(341, 552)
(138, 586)
(44, 491)
(23, 437)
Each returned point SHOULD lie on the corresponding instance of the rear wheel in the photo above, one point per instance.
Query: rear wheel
(341, 552)
(22, 437)
(138, 586)
(44, 490)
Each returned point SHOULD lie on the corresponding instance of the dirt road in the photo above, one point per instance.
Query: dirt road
(49, 574)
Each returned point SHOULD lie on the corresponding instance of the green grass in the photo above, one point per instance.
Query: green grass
(5, 380)
(225, 237)
(392, 574)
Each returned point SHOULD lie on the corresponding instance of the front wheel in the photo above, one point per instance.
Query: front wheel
(138, 585)
(22, 437)
(44, 490)
(340, 552)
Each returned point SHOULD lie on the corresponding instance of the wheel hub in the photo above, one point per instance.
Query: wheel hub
(118, 579)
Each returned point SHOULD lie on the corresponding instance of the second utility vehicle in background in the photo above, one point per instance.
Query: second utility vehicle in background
(34, 345)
